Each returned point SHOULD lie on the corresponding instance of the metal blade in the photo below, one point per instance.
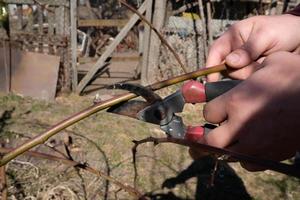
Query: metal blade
(139, 90)
(132, 108)
(129, 108)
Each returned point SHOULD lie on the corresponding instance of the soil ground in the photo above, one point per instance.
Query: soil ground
(104, 141)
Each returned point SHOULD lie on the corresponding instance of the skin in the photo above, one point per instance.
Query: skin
(259, 117)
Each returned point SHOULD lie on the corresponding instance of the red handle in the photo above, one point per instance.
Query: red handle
(194, 133)
(193, 92)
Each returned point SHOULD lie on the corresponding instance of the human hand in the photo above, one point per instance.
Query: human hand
(247, 42)
(260, 116)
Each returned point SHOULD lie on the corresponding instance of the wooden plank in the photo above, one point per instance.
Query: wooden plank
(59, 19)
(4, 67)
(51, 21)
(209, 23)
(204, 34)
(42, 2)
(67, 21)
(29, 26)
(34, 74)
(154, 49)
(146, 42)
(67, 59)
(73, 16)
(110, 49)
(40, 19)
(102, 22)
(19, 21)
(40, 28)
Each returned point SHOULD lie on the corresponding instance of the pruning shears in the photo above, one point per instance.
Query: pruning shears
(164, 111)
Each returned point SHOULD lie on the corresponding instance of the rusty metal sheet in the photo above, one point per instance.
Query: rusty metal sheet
(4, 68)
(34, 74)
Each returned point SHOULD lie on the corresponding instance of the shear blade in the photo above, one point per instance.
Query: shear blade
(132, 108)
(139, 90)
(129, 108)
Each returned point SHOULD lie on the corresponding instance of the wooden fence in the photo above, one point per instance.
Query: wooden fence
(43, 26)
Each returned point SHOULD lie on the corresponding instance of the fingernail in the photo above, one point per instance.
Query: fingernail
(233, 58)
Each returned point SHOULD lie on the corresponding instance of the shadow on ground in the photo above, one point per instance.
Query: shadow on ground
(213, 181)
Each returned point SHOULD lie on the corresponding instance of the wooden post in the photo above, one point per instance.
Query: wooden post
(146, 42)
(209, 23)
(279, 7)
(110, 49)
(204, 35)
(154, 50)
(73, 15)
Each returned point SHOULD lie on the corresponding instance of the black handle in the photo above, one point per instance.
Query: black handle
(215, 89)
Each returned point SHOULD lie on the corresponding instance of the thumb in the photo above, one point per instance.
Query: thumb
(256, 45)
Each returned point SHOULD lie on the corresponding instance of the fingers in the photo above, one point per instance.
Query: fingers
(244, 72)
(217, 54)
(238, 58)
(220, 137)
(239, 48)
(215, 110)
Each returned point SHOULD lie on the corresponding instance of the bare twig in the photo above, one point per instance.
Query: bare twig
(82, 166)
(268, 164)
(43, 137)
(3, 182)
(134, 151)
(213, 173)
(163, 40)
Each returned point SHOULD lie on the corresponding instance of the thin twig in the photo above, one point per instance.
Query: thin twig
(163, 40)
(268, 164)
(43, 137)
(3, 181)
(82, 166)
(213, 173)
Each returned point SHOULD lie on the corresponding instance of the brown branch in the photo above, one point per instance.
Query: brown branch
(82, 166)
(268, 164)
(3, 181)
(43, 137)
(163, 40)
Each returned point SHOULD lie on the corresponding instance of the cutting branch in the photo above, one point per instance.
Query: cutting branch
(43, 137)
(268, 164)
